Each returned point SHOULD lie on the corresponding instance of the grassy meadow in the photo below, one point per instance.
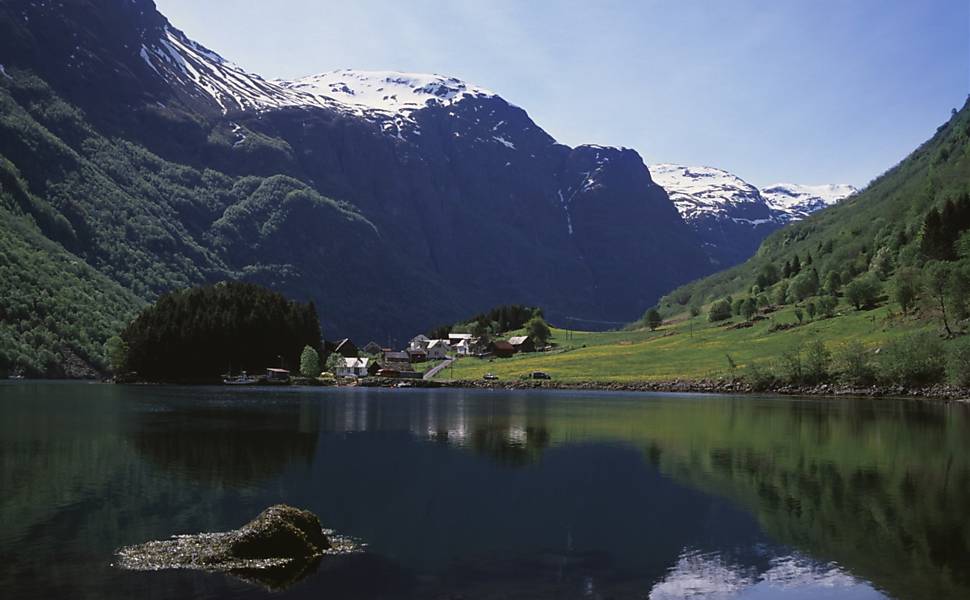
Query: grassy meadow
(689, 348)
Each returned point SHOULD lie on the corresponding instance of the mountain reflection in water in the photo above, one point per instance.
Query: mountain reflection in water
(485, 494)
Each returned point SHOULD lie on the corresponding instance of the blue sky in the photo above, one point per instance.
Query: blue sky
(817, 91)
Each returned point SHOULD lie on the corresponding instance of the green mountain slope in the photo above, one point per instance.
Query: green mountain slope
(55, 309)
(887, 216)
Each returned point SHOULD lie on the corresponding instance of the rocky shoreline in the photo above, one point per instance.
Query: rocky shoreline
(699, 386)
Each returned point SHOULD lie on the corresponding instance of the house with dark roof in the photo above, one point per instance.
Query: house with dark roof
(522, 343)
(501, 349)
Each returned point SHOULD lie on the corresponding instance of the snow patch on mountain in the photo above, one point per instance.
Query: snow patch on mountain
(799, 201)
(386, 91)
(710, 192)
(704, 191)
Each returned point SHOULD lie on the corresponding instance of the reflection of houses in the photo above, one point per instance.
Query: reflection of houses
(344, 347)
(438, 350)
(356, 367)
(522, 343)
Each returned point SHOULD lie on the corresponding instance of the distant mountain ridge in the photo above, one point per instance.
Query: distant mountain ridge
(732, 216)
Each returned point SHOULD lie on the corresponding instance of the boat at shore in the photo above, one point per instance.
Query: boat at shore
(241, 379)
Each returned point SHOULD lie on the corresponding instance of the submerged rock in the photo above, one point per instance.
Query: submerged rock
(276, 548)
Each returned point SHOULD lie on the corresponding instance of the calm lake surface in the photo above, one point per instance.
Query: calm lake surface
(491, 494)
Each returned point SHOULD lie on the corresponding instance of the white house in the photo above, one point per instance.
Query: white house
(463, 348)
(455, 338)
(438, 349)
(353, 367)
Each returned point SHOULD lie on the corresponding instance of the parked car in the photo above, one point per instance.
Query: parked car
(490, 377)
(540, 375)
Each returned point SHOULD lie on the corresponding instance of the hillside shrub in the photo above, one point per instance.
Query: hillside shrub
(719, 311)
(958, 363)
(817, 364)
(854, 363)
(759, 378)
(863, 292)
(914, 359)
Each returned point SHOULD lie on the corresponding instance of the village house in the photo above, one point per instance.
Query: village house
(419, 342)
(417, 354)
(501, 349)
(455, 338)
(354, 367)
(522, 343)
(397, 360)
(438, 349)
(344, 347)
(373, 348)
(277, 376)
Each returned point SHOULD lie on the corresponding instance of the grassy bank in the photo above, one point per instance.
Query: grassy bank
(692, 348)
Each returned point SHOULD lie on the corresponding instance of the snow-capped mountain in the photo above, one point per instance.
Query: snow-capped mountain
(448, 197)
(732, 216)
(796, 201)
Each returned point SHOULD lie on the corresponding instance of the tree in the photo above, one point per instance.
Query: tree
(811, 309)
(538, 330)
(796, 266)
(334, 362)
(958, 289)
(195, 334)
(937, 283)
(781, 293)
(719, 311)
(653, 319)
(116, 353)
(934, 243)
(799, 315)
(749, 308)
(309, 362)
(826, 306)
(863, 292)
(804, 286)
(767, 276)
(882, 263)
(907, 287)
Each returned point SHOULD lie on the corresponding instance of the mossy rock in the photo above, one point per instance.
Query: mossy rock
(277, 547)
(280, 531)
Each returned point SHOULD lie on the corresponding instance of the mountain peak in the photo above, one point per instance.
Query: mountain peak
(386, 91)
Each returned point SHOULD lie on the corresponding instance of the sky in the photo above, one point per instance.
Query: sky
(811, 91)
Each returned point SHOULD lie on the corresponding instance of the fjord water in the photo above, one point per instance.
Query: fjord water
(482, 494)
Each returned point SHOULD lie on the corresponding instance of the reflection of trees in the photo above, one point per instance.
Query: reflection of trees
(232, 446)
(881, 489)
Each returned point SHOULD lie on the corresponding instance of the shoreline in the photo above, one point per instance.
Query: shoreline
(700, 386)
(939, 392)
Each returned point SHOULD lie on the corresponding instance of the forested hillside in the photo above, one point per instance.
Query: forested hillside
(878, 245)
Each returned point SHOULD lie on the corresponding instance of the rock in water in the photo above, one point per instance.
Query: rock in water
(275, 548)
(280, 531)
